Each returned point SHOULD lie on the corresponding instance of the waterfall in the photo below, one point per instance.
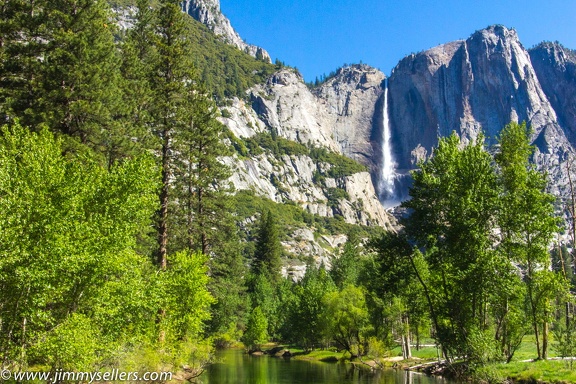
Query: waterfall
(388, 174)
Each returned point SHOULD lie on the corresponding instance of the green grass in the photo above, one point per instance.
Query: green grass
(527, 350)
(318, 355)
(550, 371)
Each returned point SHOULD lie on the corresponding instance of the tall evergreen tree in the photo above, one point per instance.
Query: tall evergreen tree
(195, 209)
(22, 42)
(172, 83)
(62, 70)
(346, 268)
(201, 178)
(268, 249)
(138, 58)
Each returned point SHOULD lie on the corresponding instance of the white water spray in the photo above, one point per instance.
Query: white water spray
(388, 174)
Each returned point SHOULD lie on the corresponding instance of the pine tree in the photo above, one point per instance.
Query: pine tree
(172, 79)
(62, 70)
(202, 212)
(22, 42)
(201, 178)
(346, 268)
(138, 58)
(268, 249)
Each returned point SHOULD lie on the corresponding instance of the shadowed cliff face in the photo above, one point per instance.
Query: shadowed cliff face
(555, 67)
(481, 84)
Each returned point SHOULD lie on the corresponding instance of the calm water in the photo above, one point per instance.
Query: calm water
(235, 367)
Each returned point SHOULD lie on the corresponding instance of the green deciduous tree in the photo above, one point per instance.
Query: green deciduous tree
(256, 331)
(402, 306)
(528, 226)
(185, 296)
(346, 319)
(306, 320)
(454, 200)
(68, 232)
(485, 229)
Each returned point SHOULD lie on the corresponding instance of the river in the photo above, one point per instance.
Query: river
(235, 367)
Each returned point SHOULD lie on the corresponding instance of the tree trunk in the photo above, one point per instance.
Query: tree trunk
(545, 340)
(406, 337)
(163, 221)
(189, 204)
(533, 310)
(23, 342)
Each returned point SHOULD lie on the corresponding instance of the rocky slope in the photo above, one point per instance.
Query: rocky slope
(208, 13)
(481, 83)
(287, 107)
(341, 116)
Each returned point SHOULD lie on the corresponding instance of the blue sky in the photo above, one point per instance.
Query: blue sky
(318, 36)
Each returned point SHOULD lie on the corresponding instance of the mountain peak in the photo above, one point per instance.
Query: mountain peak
(554, 51)
(497, 30)
(208, 13)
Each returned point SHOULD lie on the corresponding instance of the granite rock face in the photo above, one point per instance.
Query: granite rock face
(291, 179)
(286, 105)
(353, 102)
(555, 67)
(474, 85)
(208, 13)
(341, 115)
(468, 86)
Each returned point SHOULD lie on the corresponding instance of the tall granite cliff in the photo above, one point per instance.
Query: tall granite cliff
(340, 116)
(469, 86)
(474, 85)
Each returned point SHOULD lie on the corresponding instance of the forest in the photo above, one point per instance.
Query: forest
(123, 245)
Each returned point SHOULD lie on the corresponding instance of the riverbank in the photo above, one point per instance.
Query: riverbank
(528, 372)
(425, 360)
(332, 355)
(554, 371)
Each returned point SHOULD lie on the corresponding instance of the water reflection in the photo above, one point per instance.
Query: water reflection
(235, 367)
